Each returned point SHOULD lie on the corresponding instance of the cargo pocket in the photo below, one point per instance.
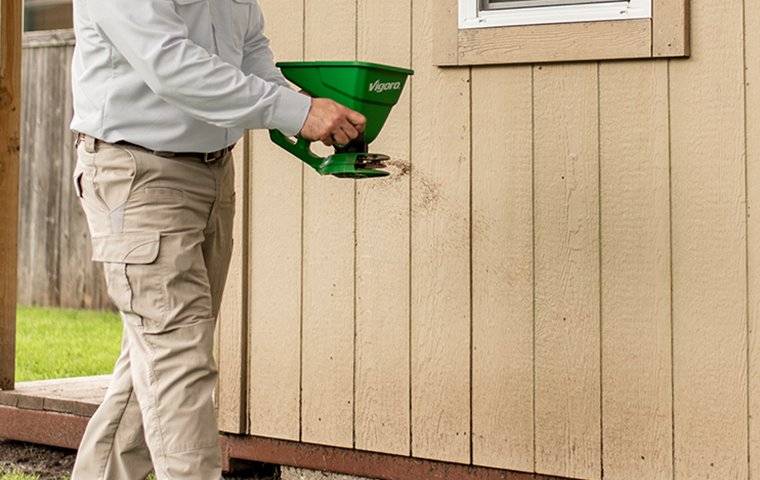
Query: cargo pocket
(123, 255)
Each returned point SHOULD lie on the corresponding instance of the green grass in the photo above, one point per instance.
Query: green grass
(17, 476)
(58, 343)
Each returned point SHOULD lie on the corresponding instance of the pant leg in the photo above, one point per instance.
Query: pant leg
(217, 246)
(174, 386)
(130, 458)
(150, 242)
(113, 446)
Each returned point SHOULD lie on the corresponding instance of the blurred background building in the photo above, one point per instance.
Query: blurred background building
(47, 15)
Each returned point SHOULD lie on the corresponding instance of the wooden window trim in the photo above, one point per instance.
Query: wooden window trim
(666, 34)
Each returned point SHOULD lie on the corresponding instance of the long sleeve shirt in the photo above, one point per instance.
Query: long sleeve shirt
(177, 75)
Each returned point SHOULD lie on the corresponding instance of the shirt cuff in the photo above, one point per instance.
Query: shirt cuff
(290, 111)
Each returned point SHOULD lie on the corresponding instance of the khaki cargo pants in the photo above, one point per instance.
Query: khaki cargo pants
(162, 227)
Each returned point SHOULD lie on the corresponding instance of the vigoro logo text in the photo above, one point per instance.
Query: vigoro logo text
(380, 87)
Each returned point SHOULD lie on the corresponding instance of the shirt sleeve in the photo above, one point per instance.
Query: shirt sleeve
(257, 56)
(154, 39)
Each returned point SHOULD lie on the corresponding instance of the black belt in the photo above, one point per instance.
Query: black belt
(209, 157)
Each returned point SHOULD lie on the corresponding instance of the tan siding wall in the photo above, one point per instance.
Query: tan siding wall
(709, 247)
(752, 66)
(329, 215)
(382, 252)
(275, 238)
(502, 254)
(440, 252)
(635, 241)
(556, 277)
(566, 243)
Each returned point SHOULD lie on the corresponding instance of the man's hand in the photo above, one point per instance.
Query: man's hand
(332, 123)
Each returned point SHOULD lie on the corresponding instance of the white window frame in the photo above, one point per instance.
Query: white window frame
(472, 15)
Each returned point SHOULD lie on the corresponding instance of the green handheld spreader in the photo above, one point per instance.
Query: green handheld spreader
(370, 89)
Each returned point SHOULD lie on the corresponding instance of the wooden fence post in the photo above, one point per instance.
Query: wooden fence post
(10, 101)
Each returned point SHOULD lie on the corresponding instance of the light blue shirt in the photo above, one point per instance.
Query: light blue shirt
(178, 75)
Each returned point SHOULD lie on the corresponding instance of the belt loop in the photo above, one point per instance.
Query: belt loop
(89, 143)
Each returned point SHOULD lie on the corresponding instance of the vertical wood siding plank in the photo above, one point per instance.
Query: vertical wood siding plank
(233, 313)
(635, 233)
(275, 258)
(10, 86)
(382, 257)
(502, 264)
(752, 73)
(709, 249)
(440, 251)
(328, 260)
(567, 339)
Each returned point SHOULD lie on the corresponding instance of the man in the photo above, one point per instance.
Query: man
(162, 90)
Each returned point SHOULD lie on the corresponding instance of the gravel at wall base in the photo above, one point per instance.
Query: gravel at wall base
(288, 473)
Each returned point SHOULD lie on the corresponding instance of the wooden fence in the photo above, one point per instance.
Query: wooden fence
(54, 266)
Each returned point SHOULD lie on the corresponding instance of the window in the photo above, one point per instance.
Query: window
(500, 13)
(502, 32)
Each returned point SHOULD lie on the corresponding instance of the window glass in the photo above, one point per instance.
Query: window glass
(507, 13)
(502, 4)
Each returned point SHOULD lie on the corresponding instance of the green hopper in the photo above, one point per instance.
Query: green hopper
(369, 88)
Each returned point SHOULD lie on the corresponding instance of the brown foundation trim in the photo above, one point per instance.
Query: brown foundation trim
(361, 463)
(41, 426)
(65, 430)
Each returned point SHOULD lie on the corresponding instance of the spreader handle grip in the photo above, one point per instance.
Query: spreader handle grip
(301, 148)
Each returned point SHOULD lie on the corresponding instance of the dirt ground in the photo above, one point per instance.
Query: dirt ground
(50, 463)
(47, 463)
